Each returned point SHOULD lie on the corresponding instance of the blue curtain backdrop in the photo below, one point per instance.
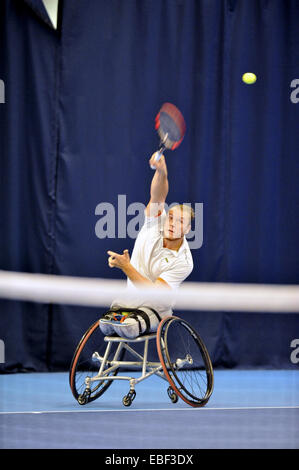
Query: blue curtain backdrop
(76, 130)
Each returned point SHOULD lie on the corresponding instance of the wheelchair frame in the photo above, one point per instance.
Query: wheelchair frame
(147, 368)
(111, 365)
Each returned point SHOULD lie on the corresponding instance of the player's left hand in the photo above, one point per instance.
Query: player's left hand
(116, 260)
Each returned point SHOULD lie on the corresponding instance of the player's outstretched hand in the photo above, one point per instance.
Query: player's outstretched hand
(116, 260)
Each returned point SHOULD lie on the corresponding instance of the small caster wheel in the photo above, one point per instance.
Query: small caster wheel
(128, 399)
(172, 395)
(84, 398)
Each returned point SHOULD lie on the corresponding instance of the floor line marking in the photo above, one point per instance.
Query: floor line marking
(132, 410)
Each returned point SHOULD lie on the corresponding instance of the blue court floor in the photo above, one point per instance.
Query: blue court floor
(252, 409)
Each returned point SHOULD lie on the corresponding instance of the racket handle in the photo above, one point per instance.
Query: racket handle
(157, 157)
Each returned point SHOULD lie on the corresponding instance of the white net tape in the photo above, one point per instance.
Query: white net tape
(94, 292)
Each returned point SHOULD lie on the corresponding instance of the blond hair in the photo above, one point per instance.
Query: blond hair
(185, 207)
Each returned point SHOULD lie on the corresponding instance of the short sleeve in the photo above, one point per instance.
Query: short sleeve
(176, 275)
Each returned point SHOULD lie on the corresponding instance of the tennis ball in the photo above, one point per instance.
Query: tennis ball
(249, 78)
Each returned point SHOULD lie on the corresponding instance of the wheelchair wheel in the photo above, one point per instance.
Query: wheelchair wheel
(185, 360)
(83, 365)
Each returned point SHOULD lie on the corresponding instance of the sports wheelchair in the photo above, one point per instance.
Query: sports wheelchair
(184, 363)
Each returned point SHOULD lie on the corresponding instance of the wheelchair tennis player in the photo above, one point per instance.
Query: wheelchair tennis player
(161, 258)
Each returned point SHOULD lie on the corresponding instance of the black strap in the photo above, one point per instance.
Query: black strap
(134, 312)
(145, 317)
(156, 313)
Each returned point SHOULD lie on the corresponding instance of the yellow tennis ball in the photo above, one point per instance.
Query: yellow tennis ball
(249, 78)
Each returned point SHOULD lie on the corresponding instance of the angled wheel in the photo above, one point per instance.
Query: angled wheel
(185, 360)
(85, 365)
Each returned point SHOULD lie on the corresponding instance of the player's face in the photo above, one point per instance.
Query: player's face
(177, 224)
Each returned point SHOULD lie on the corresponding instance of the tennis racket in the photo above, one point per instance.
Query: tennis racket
(171, 128)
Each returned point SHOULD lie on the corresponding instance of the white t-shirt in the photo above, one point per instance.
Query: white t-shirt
(153, 261)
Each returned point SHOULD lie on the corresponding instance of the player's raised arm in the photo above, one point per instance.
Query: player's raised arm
(159, 187)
